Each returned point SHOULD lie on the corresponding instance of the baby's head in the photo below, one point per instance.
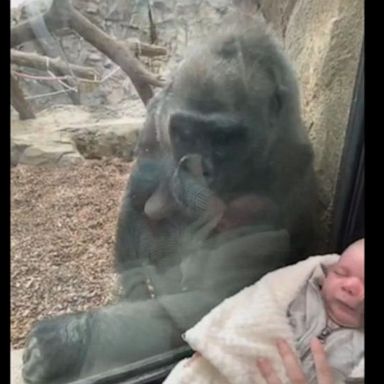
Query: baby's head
(343, 287)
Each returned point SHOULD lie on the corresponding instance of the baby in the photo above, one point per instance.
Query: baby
(321, 297)
(331, 307)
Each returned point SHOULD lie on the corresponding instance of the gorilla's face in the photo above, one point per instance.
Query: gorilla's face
(220, 140)
(222, 106)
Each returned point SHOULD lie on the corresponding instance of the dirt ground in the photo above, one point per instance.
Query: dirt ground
(62, 232)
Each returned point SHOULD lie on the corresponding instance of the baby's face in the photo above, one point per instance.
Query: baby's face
(343, 288)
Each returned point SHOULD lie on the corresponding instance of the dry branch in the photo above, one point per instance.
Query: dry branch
(56, 65)
(143, 49)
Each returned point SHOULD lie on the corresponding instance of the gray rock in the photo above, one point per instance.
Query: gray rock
(70, 159)
(16, 151)
(45, 154)
(114, 139)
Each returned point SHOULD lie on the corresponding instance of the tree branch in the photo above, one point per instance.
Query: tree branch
(143, 49)
(116, 51)
(56, 17)
(63, 14)
(56, 65)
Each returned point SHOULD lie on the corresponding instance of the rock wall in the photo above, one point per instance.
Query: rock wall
(324, 40)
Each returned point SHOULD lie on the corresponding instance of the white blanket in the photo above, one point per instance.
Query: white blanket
(230, 338)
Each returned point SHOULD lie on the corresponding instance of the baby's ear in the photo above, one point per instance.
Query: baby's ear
(325, 269)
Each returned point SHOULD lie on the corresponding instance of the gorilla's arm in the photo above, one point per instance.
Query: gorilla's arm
(130, 331)
(153, 231)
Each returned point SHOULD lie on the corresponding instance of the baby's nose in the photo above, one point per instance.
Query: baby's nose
(354, 287)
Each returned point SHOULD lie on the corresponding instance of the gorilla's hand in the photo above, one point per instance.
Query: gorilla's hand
(55, 347)
(194, 198)
(182, 190)
(191, 192)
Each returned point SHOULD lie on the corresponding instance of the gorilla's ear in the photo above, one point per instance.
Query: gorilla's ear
(284, 104)
(278, 108)
(276, 102)
(282, 95)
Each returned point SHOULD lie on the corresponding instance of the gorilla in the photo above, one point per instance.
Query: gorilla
(223, 191)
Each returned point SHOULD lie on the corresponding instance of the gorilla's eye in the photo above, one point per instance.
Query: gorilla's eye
(220, 153)
(183, 134)
(222, 139)
(186, 133)
(181, 128)
(228, 138)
